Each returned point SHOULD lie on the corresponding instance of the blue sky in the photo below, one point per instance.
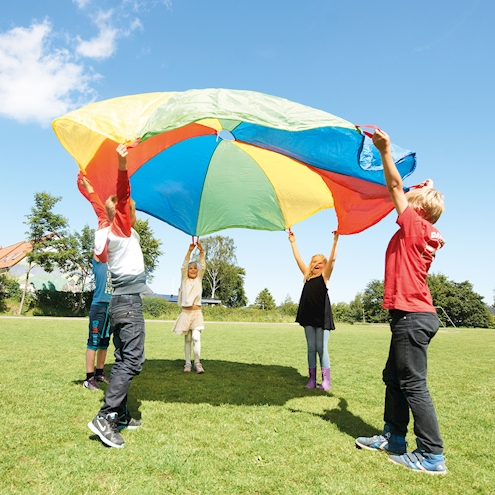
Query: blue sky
(423, 71)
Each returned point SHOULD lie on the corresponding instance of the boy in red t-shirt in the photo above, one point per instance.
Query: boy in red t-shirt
(414, 323)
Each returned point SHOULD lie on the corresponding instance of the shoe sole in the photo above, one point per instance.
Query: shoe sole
(97, 432)
(362, 446)
(422, 470)
(366, 447)
(128, 427)
(92, 389)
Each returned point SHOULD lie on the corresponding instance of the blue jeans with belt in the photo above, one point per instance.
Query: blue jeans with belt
(126, 317)
(405, 378)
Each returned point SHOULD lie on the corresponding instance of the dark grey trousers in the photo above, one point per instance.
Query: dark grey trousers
(405, 378)
(126, 317)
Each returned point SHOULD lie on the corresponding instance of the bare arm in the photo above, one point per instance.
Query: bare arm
(87, 185)
(300, 263)
(186, 260)
(392, 177)
(202, 261)
(327, 271)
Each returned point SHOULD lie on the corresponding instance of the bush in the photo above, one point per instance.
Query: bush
(158, 307)
(10, 292)
(59, 303)
(9, 288)
(289, 308)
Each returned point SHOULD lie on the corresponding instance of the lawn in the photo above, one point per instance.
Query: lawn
(246, 426)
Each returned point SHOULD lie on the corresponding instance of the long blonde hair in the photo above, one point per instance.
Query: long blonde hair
(315, 259)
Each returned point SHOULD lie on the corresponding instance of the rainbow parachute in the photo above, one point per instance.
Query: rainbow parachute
(212, 159)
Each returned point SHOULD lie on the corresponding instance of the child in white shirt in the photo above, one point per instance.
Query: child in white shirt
(190, 322)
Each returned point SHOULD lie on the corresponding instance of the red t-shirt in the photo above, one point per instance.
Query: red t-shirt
(407, 261)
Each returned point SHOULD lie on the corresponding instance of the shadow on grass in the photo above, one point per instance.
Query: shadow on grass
(224, 382)
(346, 421)
(227, 382)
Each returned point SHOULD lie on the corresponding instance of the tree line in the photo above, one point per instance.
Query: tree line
(54, 246)
(456, 302)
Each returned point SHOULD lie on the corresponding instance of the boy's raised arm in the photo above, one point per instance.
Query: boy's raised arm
(392, 177)
(122, 220)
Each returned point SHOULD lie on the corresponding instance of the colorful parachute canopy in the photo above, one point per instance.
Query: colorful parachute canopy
(211, 159)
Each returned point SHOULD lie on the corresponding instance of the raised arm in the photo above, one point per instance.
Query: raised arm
(392, 177)
(327, 271)
(300, 263)
(87, 190)
(202, 262)
(122, 222)
(185, 264)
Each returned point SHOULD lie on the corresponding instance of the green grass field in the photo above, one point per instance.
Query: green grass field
(247, 426)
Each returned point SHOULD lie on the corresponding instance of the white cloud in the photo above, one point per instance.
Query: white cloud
(38, 82)
(103, 45)
(81, 3)
(140, 5)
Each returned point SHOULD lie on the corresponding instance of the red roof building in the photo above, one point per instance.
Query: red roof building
(11, 255)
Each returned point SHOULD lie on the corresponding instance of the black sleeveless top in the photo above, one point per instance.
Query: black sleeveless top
(314, 306)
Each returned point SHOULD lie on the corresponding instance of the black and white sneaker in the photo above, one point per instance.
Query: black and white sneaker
(106, 428)
(129, 423)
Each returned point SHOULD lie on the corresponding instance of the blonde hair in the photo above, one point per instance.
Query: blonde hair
(315, 259)
(110, 204)
(428, 200)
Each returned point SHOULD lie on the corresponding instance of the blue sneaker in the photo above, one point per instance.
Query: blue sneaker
(386, 441)
(421, 461)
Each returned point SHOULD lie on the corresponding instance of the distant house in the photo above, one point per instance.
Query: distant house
(173, 299)
(11, 255)
(12, 262)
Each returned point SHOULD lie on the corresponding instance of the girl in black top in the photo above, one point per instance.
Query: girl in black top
(315, 310)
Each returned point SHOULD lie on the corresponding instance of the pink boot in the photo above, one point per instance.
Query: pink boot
(312, 378)
(325, 382)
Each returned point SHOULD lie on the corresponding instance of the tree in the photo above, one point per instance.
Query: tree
(81, 265)
(223, 278)
(372, 300)
(289, 307)
(264, 300)
(341, 312)
(150, 247)
(356, 309)
(463, 306)
(231, 291)
(47, 234)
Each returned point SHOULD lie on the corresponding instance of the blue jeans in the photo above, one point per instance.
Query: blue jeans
(317, 340)
(126, 317)
(405, 378)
